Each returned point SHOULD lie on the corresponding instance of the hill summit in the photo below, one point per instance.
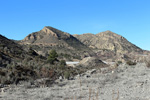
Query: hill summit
(47, 36)
(52, 38)
(105, 45)
(109, 41)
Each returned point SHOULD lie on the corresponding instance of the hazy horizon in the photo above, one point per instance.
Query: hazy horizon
(127, 18)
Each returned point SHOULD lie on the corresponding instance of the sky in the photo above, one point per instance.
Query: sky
(129, 18)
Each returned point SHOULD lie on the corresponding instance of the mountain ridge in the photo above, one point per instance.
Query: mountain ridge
(52, 38)
(108, 40)
(105, 44)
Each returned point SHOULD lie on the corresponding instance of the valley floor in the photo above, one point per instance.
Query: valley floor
(124, 83)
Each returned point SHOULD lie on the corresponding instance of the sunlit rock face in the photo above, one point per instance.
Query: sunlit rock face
(109, 41)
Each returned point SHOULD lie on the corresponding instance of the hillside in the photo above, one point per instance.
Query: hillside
(10, 51)
(109, 45)
(19, 63)
(51, 38)
(16, 63)
(106, 45)
(110, 41)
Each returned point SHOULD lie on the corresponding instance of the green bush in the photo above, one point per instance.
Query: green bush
(52, 56)
(63, 63)
(131, 62)
(67, 74)
(119, 62)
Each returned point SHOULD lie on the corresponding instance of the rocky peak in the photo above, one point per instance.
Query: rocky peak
(109, 34)
(55, 32)
(48, 31)
(110, 41)
(51, 36)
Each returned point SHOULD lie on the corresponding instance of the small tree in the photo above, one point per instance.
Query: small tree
(62, 62)
(52, 56)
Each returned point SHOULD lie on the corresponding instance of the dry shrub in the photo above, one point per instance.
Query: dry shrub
(131, 63)
(147, 62)
(46, 72)
(90, 92)
(113, 95)
(51, 73)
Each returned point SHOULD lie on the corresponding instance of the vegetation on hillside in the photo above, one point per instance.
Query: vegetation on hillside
(52, 56)
(21, 63)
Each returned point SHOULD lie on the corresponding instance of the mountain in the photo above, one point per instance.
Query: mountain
(109, 45)
(51, 38)
(20, 60)
(106, 45)
(19, 63)
(108, 40)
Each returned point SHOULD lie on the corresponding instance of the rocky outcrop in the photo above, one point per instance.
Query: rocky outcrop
(52, 38)
(109, 41)
(46, 35)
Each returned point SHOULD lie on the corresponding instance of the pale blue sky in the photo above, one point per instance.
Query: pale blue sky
(129, 18)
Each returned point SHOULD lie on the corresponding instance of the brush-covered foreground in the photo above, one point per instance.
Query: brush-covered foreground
(121, 83)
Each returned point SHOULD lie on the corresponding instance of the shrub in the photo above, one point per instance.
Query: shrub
(62, 62)
(52, 56)
(44, 72)
(131, 62)
(51, 73)
(67, 74)
(119, 62)
(32, 52)
(147, 62)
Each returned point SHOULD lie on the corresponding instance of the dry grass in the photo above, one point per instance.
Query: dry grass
(97, 95)
(113, 95)
(94, 95)
(90, 92)
(147, 62)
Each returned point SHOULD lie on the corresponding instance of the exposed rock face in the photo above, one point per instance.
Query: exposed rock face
(51, 38)
(109, 41)
(106, 45)
(47, 36)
